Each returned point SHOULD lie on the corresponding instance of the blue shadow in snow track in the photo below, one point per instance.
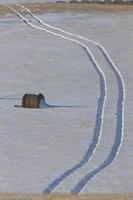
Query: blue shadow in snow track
(118, 136)
(96, 135)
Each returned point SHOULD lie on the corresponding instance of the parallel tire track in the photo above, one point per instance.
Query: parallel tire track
(117, 142)
(100, 108)
(120, 106)
(120, 110)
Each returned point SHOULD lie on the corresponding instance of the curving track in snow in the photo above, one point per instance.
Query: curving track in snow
(101, 103)
(100, 107)
(120, 106)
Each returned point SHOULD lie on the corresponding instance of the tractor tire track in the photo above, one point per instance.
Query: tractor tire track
(100, 107)
(117, 142)
(120, 105)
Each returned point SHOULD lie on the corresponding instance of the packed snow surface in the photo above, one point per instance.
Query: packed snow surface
(39, 145)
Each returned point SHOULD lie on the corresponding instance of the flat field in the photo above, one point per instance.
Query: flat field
(37, 146)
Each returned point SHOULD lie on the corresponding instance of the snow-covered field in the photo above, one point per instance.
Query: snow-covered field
(39, 145)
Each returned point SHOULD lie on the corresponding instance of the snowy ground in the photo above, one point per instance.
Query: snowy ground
(38, 145)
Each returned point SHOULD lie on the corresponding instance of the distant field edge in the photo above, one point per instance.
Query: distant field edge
(19, 196)
(72, 7)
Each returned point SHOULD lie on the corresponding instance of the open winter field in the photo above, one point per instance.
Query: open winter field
(82, 142)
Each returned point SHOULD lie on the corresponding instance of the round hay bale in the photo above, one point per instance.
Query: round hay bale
(32, 100)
